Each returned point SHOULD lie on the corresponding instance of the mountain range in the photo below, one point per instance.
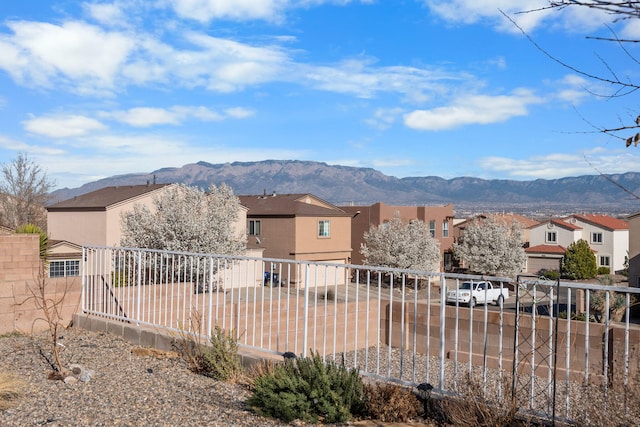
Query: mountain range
(616, 194)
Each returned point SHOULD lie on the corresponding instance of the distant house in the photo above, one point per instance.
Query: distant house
(298, 227)
(439, 219)
(94, 218)
(634, 250)
(608, 237)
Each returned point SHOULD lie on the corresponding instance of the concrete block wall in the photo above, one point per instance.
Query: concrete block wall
(19, 282)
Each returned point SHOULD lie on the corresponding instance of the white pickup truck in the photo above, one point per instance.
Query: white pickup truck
(472, 293)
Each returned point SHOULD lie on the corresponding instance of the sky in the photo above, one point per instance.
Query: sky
(443, 88)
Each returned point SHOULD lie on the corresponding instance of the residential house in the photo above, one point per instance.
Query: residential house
(439, 219)
(608, 237)
(298, 227)
(548, 242)
(94, 218)
(634, 250)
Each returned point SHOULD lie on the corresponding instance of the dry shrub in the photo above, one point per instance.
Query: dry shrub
(256, 370)
(10, 390)
(472, 408)
(391, 403)
(217, 359)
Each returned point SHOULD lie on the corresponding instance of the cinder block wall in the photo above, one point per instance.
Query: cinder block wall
(19, 284)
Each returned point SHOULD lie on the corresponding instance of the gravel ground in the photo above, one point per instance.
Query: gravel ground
(126, 390)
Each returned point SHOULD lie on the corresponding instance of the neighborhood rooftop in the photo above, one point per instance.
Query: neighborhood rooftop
(104, 197)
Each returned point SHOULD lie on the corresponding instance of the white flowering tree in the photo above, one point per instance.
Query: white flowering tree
(493, 246)
(186, 219)
(397, 244)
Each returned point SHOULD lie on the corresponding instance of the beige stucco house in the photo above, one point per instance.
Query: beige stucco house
(607, 236)
(634, 250)
(439, 219)
(299, 227)
(94, 218)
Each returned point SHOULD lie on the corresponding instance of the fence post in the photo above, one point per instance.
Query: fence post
(305, 314)
(139, 274)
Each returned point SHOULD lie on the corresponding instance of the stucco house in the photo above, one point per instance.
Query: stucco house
(439, 219)
(298, 227)
(94, 218)
(607, 236)
(634, 249)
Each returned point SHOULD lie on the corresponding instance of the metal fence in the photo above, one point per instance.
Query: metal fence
(557, 350)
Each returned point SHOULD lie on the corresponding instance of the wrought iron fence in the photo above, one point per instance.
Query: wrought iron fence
(543, 347)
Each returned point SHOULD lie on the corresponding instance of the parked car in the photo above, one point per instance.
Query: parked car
(472, 293)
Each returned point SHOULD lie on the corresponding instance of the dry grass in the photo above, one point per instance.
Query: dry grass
(10, 390)
(391, 403)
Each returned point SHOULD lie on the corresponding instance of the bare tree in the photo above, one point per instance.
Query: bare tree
(24, 193)
(621, 85)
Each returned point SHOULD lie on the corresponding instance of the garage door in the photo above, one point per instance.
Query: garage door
(535, 264)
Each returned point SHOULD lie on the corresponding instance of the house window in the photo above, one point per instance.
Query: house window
(604, 261)
(432, 227)
(254, 227)
(552, 237)
(66, 268)
(445, 229)
(596, 237)
(323, 228)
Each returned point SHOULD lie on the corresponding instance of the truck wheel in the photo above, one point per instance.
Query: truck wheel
(500, 300)
(472, 302)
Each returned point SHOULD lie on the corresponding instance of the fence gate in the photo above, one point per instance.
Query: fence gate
(534, 371)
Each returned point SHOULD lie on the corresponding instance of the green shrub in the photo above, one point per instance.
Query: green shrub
(34, 229)
(603, 270)
(549, 274)
(309, 389)
(579, 261)
(390, 403)
(219, 360)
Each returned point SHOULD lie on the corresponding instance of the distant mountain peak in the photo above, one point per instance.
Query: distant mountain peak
(343, 185)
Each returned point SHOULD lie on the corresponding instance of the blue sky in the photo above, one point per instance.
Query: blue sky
(411, 88)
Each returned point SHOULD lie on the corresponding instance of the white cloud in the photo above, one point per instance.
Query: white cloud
(384, 118)
(240, 10)
(558, 165)
(62, 126)
(535, 13)
(106, 13)
(473, 109)
(84, 57)
(176, 115)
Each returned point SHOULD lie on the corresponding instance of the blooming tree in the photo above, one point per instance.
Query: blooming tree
(398, 245)
(492, 246)
(186, 219)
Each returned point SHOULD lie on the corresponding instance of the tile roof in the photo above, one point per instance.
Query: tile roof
(104, 197)
(288, 205)
(604, 221)
(546, 249)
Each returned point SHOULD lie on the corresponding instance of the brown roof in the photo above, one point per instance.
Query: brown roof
(288, 205)
(524, 221)
(604, 221)
(545, 249)
(103, 198)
